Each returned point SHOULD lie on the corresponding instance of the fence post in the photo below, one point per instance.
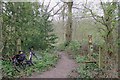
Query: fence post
(90, 45)
(100, 58)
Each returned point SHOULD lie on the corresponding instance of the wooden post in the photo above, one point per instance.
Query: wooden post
(90, 45)
(99, 57)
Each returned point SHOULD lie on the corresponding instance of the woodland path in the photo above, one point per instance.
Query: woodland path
(62, 69)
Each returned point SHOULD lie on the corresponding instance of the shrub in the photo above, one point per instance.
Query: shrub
(80, 59)
(74, 46)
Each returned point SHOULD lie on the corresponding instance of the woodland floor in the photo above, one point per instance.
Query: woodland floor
(62, 69)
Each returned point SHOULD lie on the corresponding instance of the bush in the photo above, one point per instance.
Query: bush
(83, 73)
(80, 59)
(85, 70)
(61, 47)
(95, 55)
(74, 46)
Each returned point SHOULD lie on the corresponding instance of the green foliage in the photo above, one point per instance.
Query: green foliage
(8, 69)
(85, 69)
(48, 60)
(95, 55)
(75, 46)
(91, 66)
(83, 73)
(24, 21)
(61, 47)
(81, 59)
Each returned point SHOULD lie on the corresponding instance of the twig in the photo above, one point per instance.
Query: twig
(58, 10)
(94, 16)
(48, 5)
(53, 7)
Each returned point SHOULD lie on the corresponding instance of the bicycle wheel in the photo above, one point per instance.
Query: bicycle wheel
(16, 67)
(23, 65)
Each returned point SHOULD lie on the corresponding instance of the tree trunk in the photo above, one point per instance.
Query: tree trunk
(69, 23)
(109, 42)
(63, 14)
(119, 22)
(119, 39)
(18, 45)
(109, 34)
(1, 43)
(63, 21)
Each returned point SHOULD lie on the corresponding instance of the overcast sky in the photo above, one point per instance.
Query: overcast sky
(77, 1)
(94, 2)
(53, 1)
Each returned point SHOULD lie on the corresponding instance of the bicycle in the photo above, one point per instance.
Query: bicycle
(22, 64)
(18, 65)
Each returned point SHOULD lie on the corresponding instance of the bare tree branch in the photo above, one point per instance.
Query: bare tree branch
(102, 6)
(53, 7)
(58, 10)
(63, 1)
(86, 3)
(102, 29)
(42, 6)
(43, 3)
(48, 5)
(94, 16)
(76, 8)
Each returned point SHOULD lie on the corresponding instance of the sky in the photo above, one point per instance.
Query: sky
(53, 1)
(96, 2)
(93, 3)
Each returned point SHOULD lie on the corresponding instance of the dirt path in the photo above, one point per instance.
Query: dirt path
(63, 68)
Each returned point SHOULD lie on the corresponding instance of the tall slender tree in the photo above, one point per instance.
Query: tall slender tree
(69, 22)
(1, 45)
(118, 38)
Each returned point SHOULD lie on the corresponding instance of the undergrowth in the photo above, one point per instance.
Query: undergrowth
(88, 70)
(46, 60)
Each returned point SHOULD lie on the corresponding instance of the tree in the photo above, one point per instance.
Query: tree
(1, 45)
(24, 25)
(68, 34)
(15, 21)
(119, 21)
(118, 36)
(108, 21)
